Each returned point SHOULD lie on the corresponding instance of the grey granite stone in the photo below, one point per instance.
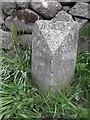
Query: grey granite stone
(54, 48)
(1, 20)
(8, 7)
(63, 16)
(23, 20)
(7, 42)
(46, 9)
(23, 4)
(0, 27)
(26, 40)
(66, 8)
(81, 10)
(8, 1)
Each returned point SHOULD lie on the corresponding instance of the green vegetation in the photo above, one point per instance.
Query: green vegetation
(85, 31)
(21, 99)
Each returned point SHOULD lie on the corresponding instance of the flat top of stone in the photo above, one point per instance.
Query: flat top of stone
(54, 33)
(63, 16)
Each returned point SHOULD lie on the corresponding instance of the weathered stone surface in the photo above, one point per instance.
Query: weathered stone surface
(23, 4)
(81, 21)
(9, 1)
(65, 1)
(0, 27)
(0, 15)
(8, 7)
(23, 20)
(46, 9)
(63, 16)
(80, 9)
(71, 1)
(54, 48)
(66, 8)
(26, 40)
(16, 1)
(1, 20)
(7, 40)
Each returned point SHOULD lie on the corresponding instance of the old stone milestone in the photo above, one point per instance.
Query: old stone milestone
(54, 48)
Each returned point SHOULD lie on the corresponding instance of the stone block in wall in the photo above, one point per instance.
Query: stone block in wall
(70, 2)
(23, 20)
(8, 7)
(1, 20)
(54, 48)
(66, 8)
(46, 9)
(80, 9)
(7, 41)
(23, 4)
(9, 1)
(25, 40)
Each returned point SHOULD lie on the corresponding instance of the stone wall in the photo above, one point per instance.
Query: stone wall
(23, 14)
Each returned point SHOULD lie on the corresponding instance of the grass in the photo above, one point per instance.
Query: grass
(21, 99)
(85, 31)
